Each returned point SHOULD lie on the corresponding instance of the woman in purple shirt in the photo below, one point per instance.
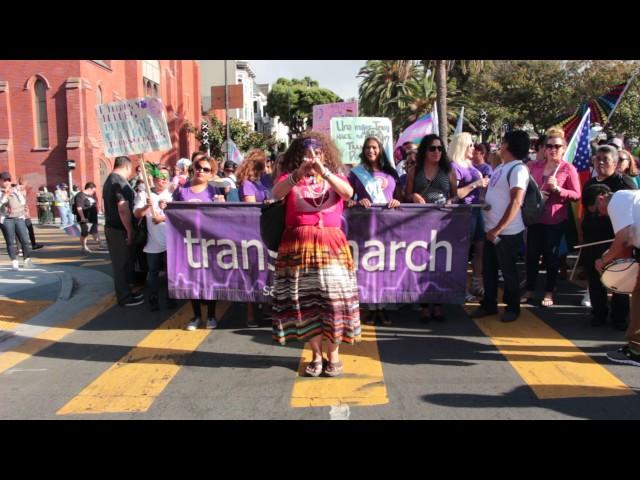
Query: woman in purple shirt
(199, 190)
(471, 188)
(251, 175)
(374, 181)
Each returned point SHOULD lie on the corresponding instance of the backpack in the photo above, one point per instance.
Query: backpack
(533, 203)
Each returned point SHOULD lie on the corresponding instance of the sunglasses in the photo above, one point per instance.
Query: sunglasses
(434, 148)
(203, 169)
(556, 146)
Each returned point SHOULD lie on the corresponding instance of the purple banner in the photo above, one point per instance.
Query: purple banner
(412, 254)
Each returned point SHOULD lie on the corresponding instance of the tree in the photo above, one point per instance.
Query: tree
(386, 89)
(241, 133)
(293, 101)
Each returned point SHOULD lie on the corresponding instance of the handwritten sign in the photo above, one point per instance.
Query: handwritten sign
(349, 135)
(322, 114)
(133, 126)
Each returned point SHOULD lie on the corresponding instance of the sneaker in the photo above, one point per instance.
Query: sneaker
(252, 324)
(469, 297)
(586, 300)
(15, 265)
(509, 316)
(476, 289)
(28, 263)
(625, 356)
(211, 323)
(481, 312)
(137, 296)
(500, 276)
(37, 247)
(193, 324)
(132, 302)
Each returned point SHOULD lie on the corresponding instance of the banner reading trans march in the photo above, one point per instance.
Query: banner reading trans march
(133, 126)
(411, 254)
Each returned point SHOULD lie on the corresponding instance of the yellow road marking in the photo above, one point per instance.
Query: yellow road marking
(54, 334)
(549, 363)
(137, 379)
(14, 312)
(362, 382)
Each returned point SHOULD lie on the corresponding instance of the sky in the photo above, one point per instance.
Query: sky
(336, 75)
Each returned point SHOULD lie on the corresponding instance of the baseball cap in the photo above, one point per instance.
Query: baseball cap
(616, 142)
(5, 176)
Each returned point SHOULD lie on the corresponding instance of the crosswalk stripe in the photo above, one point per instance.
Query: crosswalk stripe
(549, 363)
(134, 382)
(54, 334)
(362, 382)
(14, 312)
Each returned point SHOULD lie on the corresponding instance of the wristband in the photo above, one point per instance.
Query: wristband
(291, 179)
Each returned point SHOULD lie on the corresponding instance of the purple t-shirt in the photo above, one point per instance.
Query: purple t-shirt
(257, 189)
(465, 177)
(386, 181)
(185, 194)
(485, 169)
(266, 180)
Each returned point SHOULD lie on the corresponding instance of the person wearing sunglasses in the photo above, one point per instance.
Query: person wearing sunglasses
(596, 228)
(628, 166)
(560, 185)
(431, 181)
(198, 189)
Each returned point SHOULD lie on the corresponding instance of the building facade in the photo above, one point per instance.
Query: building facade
(48, 116)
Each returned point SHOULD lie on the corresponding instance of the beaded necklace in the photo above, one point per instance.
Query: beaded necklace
(317, 196)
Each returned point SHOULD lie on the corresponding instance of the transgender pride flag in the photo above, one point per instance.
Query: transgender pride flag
(417, 130)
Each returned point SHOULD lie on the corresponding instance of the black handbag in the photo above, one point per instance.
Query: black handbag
(272, 218)
(140, 232)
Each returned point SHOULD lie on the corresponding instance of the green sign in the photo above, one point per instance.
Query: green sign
(349, 134)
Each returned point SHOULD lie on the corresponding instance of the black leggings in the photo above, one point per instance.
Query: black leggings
(197, 308)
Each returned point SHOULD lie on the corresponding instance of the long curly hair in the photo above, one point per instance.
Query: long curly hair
(445, 163)
(295, 153)
(252, 167)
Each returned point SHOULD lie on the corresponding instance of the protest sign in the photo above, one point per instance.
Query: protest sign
(412, 254)
(322, 114)
(133, 126)
(349, 134)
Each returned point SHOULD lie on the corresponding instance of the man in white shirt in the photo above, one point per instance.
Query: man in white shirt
(152, 207)
(504, 227)
(623, 208)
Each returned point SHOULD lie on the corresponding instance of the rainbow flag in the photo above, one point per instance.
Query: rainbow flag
(601, 109)
(417, 130)
(234, 153)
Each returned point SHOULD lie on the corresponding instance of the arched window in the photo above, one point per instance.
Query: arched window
(99, 95)
(155, 90)
(41, 122)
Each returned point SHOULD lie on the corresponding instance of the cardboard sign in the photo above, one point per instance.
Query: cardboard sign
(322, 114)
(133, 126)
(349, 134)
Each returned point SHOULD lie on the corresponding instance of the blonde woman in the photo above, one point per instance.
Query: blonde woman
(471, 185)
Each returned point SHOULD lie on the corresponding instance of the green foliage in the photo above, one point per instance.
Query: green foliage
(241, 133)
(293, 101)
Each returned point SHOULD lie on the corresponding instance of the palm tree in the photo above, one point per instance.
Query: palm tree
(385, 83)
(442, 69)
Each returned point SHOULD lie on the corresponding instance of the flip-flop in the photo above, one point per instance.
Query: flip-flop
(333, 369)
(314, 369)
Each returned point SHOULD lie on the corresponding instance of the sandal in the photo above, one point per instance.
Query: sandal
(333, 369)
(314, 369)
(547, 302)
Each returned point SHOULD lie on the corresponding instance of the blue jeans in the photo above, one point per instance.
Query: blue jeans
(65, 216)
(13, 227)
(157, 262)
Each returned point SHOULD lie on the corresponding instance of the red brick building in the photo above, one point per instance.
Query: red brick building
(47, 114)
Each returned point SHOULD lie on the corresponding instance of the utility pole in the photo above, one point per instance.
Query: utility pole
(226, 110)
